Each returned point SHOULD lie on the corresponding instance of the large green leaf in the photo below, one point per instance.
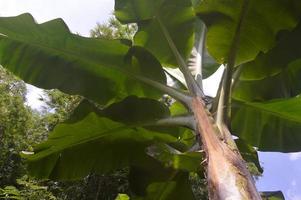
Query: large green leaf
(91, 136)
(94, 144)
(143, 174)
(285, 84)
(136, 111)
(170, 157)
(176, 188)
(49, 56)
(145, 112)
(133, 110)
(279, 70)
(140, 111)
(286, 50)
(252, 24)
(176, 15)
(270, 126)
(154, 181)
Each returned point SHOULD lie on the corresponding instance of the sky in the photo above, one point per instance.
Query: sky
(80, 15)
(281, 171)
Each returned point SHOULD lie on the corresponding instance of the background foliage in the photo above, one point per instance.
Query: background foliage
(126, 68)
(21, 128)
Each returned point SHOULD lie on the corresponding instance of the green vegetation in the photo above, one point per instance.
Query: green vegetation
(120, 120)
(22, 128)
(113, 29)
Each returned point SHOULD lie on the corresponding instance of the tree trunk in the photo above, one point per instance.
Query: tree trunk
(227, 175)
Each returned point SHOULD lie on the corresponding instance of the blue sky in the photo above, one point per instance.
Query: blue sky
(282, 171)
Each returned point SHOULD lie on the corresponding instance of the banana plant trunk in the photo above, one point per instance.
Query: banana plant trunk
(227, 175)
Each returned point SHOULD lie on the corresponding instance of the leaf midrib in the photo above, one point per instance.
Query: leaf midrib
(55, 149)
(59, 52)
(277, 114)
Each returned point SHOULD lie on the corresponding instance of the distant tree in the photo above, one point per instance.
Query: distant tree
(113, 29)
(20, 129)
(15, 123)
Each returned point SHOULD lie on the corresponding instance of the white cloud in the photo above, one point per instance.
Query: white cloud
(295, 156)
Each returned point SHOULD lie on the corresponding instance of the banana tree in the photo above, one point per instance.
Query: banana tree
(123, 121)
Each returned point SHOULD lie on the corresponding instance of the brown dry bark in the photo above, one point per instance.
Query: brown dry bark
(227, 175)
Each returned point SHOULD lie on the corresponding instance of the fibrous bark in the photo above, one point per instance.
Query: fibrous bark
(227, 175)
